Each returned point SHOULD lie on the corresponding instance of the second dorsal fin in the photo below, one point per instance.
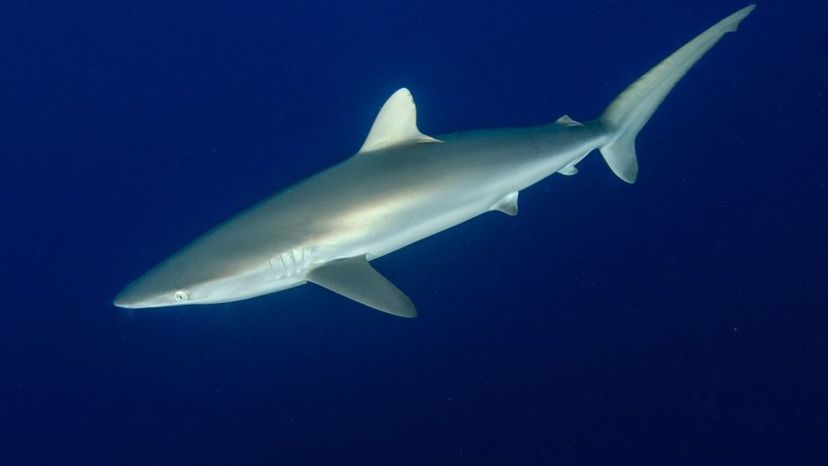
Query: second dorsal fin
(395, 124)
(566, 120)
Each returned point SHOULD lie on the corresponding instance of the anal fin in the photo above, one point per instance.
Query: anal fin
(507, 204)
(569, 170)
(354, 278)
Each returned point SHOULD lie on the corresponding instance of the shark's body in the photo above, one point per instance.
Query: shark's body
(402, 186)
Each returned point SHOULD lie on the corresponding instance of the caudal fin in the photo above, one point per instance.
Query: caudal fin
(631, 110)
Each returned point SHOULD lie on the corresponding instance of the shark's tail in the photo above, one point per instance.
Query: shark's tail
(631, 110)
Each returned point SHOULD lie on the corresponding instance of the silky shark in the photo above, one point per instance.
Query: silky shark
(402, 186)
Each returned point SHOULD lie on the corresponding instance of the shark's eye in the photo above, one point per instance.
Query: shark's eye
(181, 296)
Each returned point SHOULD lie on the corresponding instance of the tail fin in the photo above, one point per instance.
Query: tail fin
(631, 110)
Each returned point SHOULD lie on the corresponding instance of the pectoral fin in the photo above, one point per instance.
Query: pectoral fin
(355, 279)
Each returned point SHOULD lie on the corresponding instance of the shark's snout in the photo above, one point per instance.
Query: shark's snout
(128, 299)
(143, 293)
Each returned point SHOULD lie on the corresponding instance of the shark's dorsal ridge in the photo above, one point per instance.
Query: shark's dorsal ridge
(395, 124)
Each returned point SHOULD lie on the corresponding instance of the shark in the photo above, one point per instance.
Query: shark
(400, 187)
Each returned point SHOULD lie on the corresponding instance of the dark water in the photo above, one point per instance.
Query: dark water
(681, 320)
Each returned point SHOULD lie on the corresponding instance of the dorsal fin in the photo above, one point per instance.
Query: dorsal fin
(566, 120)
(395, 124)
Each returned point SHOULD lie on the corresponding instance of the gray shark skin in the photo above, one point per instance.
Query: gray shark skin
(402, 186)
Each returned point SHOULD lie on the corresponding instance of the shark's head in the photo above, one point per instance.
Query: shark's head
(142, 293)
(163, 287)
(199, 275)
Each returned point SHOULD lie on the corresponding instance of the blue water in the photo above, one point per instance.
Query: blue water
(681, 320)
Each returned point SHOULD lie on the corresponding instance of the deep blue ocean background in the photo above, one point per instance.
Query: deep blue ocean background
(678, 321)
